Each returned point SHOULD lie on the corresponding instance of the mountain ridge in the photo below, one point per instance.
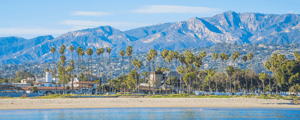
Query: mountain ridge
(229, 27)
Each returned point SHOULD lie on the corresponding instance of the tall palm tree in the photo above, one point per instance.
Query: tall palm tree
(222, 56)
(103, 65)
(129, 53)
(149, 58)
(245, 60)
(139, 65)
(250, 56)
(197, 64)
(83, 68)
(263, 76)
(99, 52)
(189, 59)
(89, 52)
(233, 57)
(203, 55)
(268, 67)
(215, 56)
(122, 53)
(108, 50)
(230, 71)
(72, 75)
(238, 71)
(53, 51)
(79, 52)
(62, 59)
(135, 64)
(181, 71)
(153, 54)
(176, 57)
(169, 60)
(211, 72)
(226, 58)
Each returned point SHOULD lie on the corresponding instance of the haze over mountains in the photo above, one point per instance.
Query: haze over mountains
(230, 27)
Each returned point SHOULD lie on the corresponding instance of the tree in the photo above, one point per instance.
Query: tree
(169, 60)
(103, 64)
(89, 52)
(215, 56)
(79, 51)
(122, 53)
(268, 67)
(139, 65)
(135, 64)
(230, 71)
(189, 59)
(153, 54)
(108, 50)
(296, 55)
(181, 71)
(62, 60)
(202, 55)
(164, 54)
(263, 76)
(250, 56)
(176, 57)
(34, 89)
(197, 64)
(129, 53)
(53, 51)
(149, 58)
(99, 52)
(226, 58)
(72, 75)
(245, 60)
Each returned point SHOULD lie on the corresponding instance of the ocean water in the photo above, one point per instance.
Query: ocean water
(152, 113)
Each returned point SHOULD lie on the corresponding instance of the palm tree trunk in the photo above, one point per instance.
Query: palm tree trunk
(111, 77)
(130, 63)
(251, 76)
(78, 75)
(72, 73)
(230, 85)
(54, 73)
(176, 76)
(149, 69)
(269, 83)
(216, 77)
(153, 77)
(103, 65)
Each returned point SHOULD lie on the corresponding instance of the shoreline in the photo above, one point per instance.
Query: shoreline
(69, 103)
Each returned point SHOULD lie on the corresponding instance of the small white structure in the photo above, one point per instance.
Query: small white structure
(48, 77)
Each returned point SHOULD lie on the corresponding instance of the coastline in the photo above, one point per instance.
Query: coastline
(67, 103)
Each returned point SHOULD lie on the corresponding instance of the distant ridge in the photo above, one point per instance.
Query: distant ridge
(229, 27)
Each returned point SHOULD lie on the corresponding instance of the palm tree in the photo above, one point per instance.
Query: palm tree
(164, 54)
(102, 75)
(122, 53)
(83, 66)
(62, 59)
(153, 54)
(181, 71)
(268, 67)
(108, 50)
(149, 58)
(215, 56)
(233, 57)
(129, 53)
(263, 76)
(99, 52)
(169, 60)
(139, 65)
(238, 71)
(245, 60)
(222, 56)
(79, 52)
(197, 64)
(135, 64)
(250, 56)
(72, 75)
(189, 59)
(230, 71)
(89, 52)
(226, 58)
(176, 57)
(203, 55)
(53, 51)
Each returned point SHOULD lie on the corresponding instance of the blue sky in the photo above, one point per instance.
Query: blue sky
(33, 18)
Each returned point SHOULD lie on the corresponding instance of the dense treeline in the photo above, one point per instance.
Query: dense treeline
(225, 73)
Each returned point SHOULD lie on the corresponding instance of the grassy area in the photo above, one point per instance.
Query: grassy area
(164, 96)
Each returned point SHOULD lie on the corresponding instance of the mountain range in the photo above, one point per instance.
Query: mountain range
(229, 27)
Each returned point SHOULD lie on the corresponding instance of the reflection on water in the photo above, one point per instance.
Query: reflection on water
(153, 113)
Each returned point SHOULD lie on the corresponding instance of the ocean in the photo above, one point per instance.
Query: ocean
(151, 113)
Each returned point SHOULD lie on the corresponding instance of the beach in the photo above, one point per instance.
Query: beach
(64, 103)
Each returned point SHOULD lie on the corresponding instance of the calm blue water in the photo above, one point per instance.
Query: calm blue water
(152, 113)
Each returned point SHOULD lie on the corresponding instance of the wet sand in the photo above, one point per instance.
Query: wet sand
(143, 102)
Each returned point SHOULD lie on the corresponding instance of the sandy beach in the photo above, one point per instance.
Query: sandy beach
(143, 102)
